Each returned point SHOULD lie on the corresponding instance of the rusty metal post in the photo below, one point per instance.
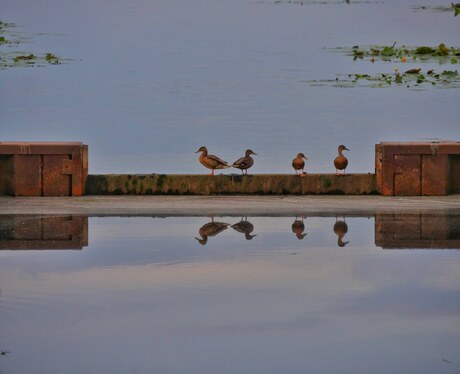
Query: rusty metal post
(43, 169)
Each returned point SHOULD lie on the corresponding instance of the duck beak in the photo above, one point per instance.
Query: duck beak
(254, 153)
(346, 149)
(197, 151)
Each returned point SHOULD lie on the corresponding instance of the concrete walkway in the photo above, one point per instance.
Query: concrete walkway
(228, 205)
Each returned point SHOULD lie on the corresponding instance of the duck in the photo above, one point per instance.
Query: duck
(210, 161)
(245, 227)
(340, 229)
(210, 229)
(299, 164)
(298, 227)
(244, 163)
(341, 162)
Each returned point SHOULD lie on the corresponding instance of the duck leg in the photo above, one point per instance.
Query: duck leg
(336, 172)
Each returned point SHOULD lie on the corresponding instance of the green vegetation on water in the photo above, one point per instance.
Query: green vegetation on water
(412, 78)
(11, 57)
(441, 53)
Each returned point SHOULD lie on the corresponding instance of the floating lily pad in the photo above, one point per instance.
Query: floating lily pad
(413, 78)
(393, 53)
(10, 57)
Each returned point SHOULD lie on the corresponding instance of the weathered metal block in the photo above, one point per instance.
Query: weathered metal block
(43, 169)
(454, 163)
(425, 168)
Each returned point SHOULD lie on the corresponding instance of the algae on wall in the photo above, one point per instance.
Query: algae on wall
(162, 184)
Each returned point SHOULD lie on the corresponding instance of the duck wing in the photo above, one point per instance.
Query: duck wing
(216, 163)
(243, 163)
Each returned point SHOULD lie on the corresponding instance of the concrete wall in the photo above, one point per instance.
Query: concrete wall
(262, 184)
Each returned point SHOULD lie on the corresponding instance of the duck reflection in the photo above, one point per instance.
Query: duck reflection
(340, 229)
(298, 228)
(245, 227)
(211, 229)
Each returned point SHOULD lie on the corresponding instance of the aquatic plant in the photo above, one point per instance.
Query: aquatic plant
(456, 8)
(393, 53)
(51, 58)
(411, 78)
(14, 58)
(24, 58)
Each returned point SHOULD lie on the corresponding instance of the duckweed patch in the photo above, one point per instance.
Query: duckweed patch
(10, 56)
(412, 78)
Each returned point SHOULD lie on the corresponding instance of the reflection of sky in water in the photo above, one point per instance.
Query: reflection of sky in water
(154, 80)
(145, 296)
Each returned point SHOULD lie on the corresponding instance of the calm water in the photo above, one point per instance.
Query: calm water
(142, 295)
(152, 80)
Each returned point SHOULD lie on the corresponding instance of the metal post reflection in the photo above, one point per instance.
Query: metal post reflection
(43, 232)
(399, 231)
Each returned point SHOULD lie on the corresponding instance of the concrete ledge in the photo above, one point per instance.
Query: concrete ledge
(291, 205)
(259, 184)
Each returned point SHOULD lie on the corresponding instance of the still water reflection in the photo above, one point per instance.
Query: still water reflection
(247, 296)
(390, 230)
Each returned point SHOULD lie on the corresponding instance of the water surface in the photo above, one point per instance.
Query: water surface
(344, 294)
(151, 81)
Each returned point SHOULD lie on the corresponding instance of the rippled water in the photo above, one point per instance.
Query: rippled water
(151, 81)
(141, 294)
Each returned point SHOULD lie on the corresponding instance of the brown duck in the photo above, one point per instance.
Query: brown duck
(244, 163)
(340, 229)
(299, 164)
(341, 162)
(210, 161)
(245, 227)
(210, 229)
(298, 227)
